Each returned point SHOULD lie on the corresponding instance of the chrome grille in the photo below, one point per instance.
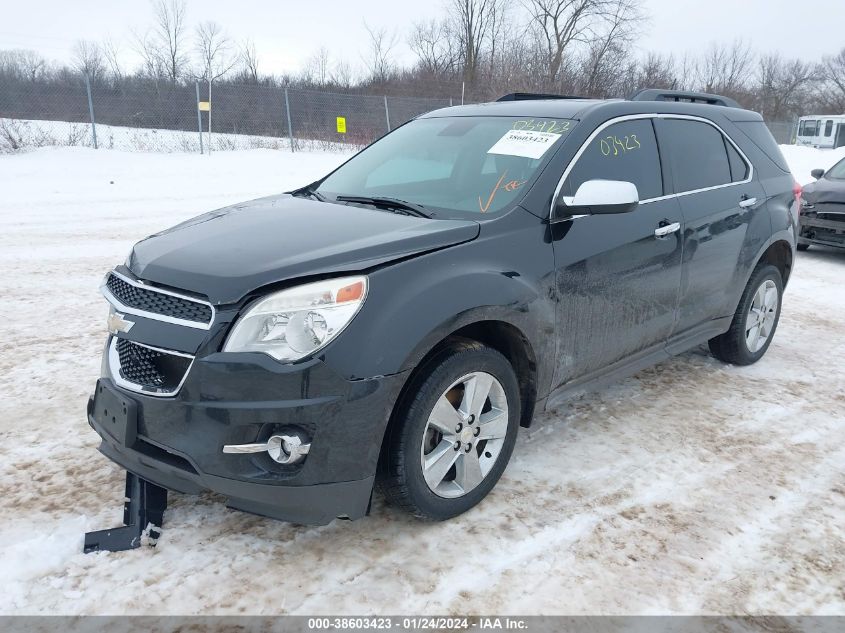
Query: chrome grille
(133, 296)
(148, 369)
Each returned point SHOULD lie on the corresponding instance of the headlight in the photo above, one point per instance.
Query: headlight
(293, 323)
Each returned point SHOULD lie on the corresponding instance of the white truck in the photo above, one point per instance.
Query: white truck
(825, 131)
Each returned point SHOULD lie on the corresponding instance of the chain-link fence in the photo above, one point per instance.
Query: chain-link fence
(148, 115)
(145, 115)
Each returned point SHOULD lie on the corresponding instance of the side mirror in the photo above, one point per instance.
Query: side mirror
(599, 197)
(817, 173)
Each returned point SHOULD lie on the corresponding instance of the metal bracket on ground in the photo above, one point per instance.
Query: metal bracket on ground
(143, 508)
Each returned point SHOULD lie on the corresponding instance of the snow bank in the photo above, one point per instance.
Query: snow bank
(802, 160)
(18, 134)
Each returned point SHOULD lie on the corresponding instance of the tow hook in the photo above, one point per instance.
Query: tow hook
(283, 449)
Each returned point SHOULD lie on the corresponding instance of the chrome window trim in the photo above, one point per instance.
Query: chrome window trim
(114, 370)
(634, 117)
(104, 290)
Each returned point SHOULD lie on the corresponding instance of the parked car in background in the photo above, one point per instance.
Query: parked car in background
(822, 131)
(397, 321)
(822, 219)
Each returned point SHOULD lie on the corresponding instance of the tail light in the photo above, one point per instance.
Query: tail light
(797, 190)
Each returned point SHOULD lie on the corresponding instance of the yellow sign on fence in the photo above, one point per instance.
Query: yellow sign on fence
(341, 125)
(205, 106)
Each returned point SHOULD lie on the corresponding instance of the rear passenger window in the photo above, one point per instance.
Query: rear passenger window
(698, 155)
(739, 170)
(828, 127)
(623, 151)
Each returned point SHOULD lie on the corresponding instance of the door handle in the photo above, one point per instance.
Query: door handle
(747, 202)
(667, 229)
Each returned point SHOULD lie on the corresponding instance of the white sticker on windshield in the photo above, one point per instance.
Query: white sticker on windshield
(526, 143)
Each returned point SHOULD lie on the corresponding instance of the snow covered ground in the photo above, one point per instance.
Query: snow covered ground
(17, 134)
(693, 487)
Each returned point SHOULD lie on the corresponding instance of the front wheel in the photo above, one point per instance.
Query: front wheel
(755, 320)
(448, 446)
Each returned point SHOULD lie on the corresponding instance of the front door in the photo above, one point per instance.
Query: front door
(617, 279)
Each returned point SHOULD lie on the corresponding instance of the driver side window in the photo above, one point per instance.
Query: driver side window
(623, 151)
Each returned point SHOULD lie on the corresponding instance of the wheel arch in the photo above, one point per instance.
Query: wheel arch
(504, 337)
(779, 254)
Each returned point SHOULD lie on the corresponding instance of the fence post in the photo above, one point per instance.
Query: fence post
(287, 110)
(209, 112)
(463, 88)
(387, 113)
(91, 110)
(199, 114)
(450, 102)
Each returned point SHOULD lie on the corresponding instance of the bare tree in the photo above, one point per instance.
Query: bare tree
(726, 68)
(781, 85)
(473, 23)
(341, 75)
(561, 24)
(152, 61)
(249, 61)
(609, 49)
(23, 64)
(317, 67)
(169, 36)
(111, 55)
(656, 71)
(431, 44)
(832, 74)
(88, 59)
(379, 58)
(215, 50)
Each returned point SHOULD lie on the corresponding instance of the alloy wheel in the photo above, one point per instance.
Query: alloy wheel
(464, 435)
(761, 316)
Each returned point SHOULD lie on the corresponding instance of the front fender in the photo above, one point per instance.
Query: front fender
(412, 305)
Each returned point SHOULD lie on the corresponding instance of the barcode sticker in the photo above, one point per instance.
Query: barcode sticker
(525, 143)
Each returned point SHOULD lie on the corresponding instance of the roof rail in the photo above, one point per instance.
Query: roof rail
(532, 96)
(655, 94)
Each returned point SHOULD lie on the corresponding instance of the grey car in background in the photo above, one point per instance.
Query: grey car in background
(822, 219)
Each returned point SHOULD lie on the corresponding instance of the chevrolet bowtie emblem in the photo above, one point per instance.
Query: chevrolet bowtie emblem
(117, 323)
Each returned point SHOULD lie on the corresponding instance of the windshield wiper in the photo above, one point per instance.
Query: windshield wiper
(309, 192)
(388, 203)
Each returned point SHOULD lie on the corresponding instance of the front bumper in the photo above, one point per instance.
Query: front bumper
(177, 442)
(815, 230)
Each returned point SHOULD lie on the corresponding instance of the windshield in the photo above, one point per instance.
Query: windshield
(837, 172)
(467, 164)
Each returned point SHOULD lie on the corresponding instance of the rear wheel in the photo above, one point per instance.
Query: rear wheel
(755, 320)
(448, 447)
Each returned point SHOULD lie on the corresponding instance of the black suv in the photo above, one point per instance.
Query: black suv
(397, 321)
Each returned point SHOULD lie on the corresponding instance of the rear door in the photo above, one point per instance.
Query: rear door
(617, 281)
(720, 199)
(827, 137)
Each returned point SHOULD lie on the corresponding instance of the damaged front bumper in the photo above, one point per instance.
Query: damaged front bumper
(827, 229)
(233, 399)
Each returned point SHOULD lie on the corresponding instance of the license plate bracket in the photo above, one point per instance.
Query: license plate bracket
(115, 413)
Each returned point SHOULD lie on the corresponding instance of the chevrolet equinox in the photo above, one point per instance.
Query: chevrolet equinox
(393, 324)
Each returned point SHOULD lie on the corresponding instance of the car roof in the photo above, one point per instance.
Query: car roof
(579, 109)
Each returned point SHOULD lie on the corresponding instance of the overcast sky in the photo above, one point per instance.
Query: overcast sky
(287, 33)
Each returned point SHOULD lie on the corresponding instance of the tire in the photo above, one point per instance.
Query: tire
(802, 247)
(738, 345)
(420, 435)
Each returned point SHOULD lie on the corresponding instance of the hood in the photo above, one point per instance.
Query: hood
(824, 191)
(228, 253)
